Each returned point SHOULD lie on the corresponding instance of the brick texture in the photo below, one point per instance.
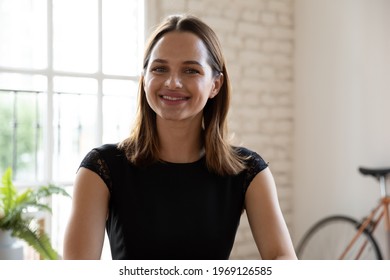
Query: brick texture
(257, 38)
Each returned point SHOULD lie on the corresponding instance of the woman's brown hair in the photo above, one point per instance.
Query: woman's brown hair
(142, 146)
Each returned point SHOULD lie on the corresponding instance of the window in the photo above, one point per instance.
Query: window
(69, 74)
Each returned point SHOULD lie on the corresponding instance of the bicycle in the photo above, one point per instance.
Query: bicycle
(342, 237)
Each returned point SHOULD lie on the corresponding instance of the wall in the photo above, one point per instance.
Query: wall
(341, 97)
(257, 37)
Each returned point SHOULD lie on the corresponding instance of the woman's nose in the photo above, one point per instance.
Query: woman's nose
(173, 82)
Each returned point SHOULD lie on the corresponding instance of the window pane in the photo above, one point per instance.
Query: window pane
(122, 36)
(75, 85)
(75, 127)
(26, 82)
(6, 129)
(23, 34)
(119, 106)
(21, 136)
(75, 33)
(74, 122)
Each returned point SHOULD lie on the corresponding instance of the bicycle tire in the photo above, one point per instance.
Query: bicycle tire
(327, 239)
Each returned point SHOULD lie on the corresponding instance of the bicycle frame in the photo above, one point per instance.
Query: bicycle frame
(377, 214)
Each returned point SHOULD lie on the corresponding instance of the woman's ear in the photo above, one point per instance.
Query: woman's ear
(218, 82)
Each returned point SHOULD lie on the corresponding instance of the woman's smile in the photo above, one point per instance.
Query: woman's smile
(173, 98)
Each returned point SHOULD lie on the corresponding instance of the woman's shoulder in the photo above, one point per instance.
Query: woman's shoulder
(244, 151)
(110, 148)
(253, 161)
(250, 157)
(110, 153)
(107, 154)
(103, 152)
(103, 160)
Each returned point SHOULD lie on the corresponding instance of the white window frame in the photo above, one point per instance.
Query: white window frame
(50, 73)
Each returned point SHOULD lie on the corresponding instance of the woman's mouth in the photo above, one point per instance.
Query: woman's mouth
(174, 98)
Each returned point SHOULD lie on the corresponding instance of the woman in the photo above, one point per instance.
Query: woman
(176, 188)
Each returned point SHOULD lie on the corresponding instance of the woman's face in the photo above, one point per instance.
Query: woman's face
(178, 80)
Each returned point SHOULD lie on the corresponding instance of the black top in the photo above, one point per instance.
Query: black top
(171, 210)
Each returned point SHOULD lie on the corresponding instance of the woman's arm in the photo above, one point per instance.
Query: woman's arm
(84, 236)
(266, 220)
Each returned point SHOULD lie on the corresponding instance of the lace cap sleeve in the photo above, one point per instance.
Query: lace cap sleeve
(255, 164)
(94, 162)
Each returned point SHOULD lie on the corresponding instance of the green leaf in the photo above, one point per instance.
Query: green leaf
(36, 239)
(7, 191)
(47, 191)
(16, 216)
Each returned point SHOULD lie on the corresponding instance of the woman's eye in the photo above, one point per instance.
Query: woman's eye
(159, 69)
(191, 71)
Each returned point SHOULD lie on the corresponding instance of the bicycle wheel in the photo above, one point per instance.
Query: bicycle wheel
(328, 238)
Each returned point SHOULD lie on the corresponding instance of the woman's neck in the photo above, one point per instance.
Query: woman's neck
(180, 142)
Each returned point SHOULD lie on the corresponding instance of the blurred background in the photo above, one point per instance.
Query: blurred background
(311, 91)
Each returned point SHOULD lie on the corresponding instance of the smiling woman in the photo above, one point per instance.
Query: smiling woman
(176, 188)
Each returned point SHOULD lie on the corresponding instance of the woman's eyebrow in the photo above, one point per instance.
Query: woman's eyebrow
(159, 60)
(187, 62)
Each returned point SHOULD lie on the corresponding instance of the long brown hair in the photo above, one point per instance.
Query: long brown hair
(142, 146)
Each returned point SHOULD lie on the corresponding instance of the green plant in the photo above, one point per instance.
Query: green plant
(14, 208)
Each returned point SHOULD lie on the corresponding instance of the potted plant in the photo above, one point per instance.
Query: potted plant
(14, 217)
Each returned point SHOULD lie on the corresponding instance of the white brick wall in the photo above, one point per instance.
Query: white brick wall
(257, 37)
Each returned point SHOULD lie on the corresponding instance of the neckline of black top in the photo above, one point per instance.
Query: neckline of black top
(182, 163)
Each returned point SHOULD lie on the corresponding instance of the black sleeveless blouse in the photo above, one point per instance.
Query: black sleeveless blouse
(171, 210)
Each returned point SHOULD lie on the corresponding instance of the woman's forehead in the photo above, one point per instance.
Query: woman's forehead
(184, 46)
